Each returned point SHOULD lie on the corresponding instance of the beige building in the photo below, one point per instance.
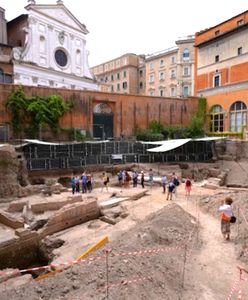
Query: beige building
(170, 73)
(121, 75)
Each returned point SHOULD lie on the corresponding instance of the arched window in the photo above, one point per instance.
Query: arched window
(238, 112)
(216, 119)
(186, 54)
(102, 108)
(42, 44)
(78, 57)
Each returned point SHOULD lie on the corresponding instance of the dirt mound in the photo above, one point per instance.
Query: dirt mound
(155, 272)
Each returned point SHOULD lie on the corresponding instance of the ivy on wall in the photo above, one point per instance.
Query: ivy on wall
(36, 112)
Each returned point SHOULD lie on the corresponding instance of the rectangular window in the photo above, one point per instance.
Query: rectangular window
(173, 73)
(161, 76)
(124, 85)
(173, 92)
(240, 50)
(118, 76)
(118, 86)
(216, 80)
(173, 60)
(112, 77)
(151, 66)
(240, 22)
(141, 85)
(161, 63)
(217, 58)
(112, 88)
(185, 91)
(151, 78)
(124, 74)
(141, 73)
(151, 93)
(186, 71)
(106, 78)
(161, 93)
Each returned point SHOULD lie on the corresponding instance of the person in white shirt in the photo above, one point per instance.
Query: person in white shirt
(226, 213)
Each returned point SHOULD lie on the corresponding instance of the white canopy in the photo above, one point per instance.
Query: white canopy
(173, 144)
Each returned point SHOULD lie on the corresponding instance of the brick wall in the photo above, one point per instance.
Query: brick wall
(130, 111)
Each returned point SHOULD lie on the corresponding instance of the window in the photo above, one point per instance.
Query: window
(216, 119)
(186, 54)
(161, 93)
(238, 112)
(78, 57)
(42, 44)
(217, 32)
(124, 85)
(240, 22)
(186, 71)
(161, 63)
(173, 73)
(112, 88)
(151, 78)
(240, 50)
(124, 74)
(118, 86)
(141, 73)
(217, 58)
(151, 66)
(118, 76)
(151, 93)
(112, 77)
(216, 80)
(106, 78)
(173, 92)
(173, 60)
(61, 58)
(141, 85)
(185, 91)
(161, 76)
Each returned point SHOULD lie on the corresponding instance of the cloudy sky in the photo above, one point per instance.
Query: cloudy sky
(138, 26)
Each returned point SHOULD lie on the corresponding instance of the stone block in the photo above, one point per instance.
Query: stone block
(10, 220)
(16, 206)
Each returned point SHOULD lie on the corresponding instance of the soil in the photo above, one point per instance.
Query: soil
(188, 257)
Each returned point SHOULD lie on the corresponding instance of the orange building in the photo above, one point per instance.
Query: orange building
(221, 73)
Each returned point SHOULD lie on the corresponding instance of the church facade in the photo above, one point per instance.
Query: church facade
(49, 48)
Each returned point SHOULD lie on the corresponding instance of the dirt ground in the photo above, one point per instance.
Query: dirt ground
(162, 250)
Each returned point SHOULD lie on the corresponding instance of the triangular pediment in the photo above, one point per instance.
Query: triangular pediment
(59, 13)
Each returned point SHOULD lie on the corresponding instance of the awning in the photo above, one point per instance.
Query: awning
(173, 144)
(169, 145)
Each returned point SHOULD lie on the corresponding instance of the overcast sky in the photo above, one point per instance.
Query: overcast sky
(138, 26)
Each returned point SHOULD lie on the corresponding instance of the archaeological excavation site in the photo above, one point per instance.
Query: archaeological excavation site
(119, 239)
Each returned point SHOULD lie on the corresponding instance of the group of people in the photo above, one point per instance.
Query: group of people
(81, 183)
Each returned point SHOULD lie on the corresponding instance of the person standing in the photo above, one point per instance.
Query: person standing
(105, 181)
(142, 179)
(171, 187)
(188, 185)
(73, 184)
(150, 178)
(226, 213)
(135, 178)
(164, 183)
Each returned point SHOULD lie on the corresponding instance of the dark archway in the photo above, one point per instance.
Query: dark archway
(102, 121)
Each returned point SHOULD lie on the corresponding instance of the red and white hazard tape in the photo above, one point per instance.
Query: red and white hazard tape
(149, 251)
(233, 289)
(92, 259)
(239, 295)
